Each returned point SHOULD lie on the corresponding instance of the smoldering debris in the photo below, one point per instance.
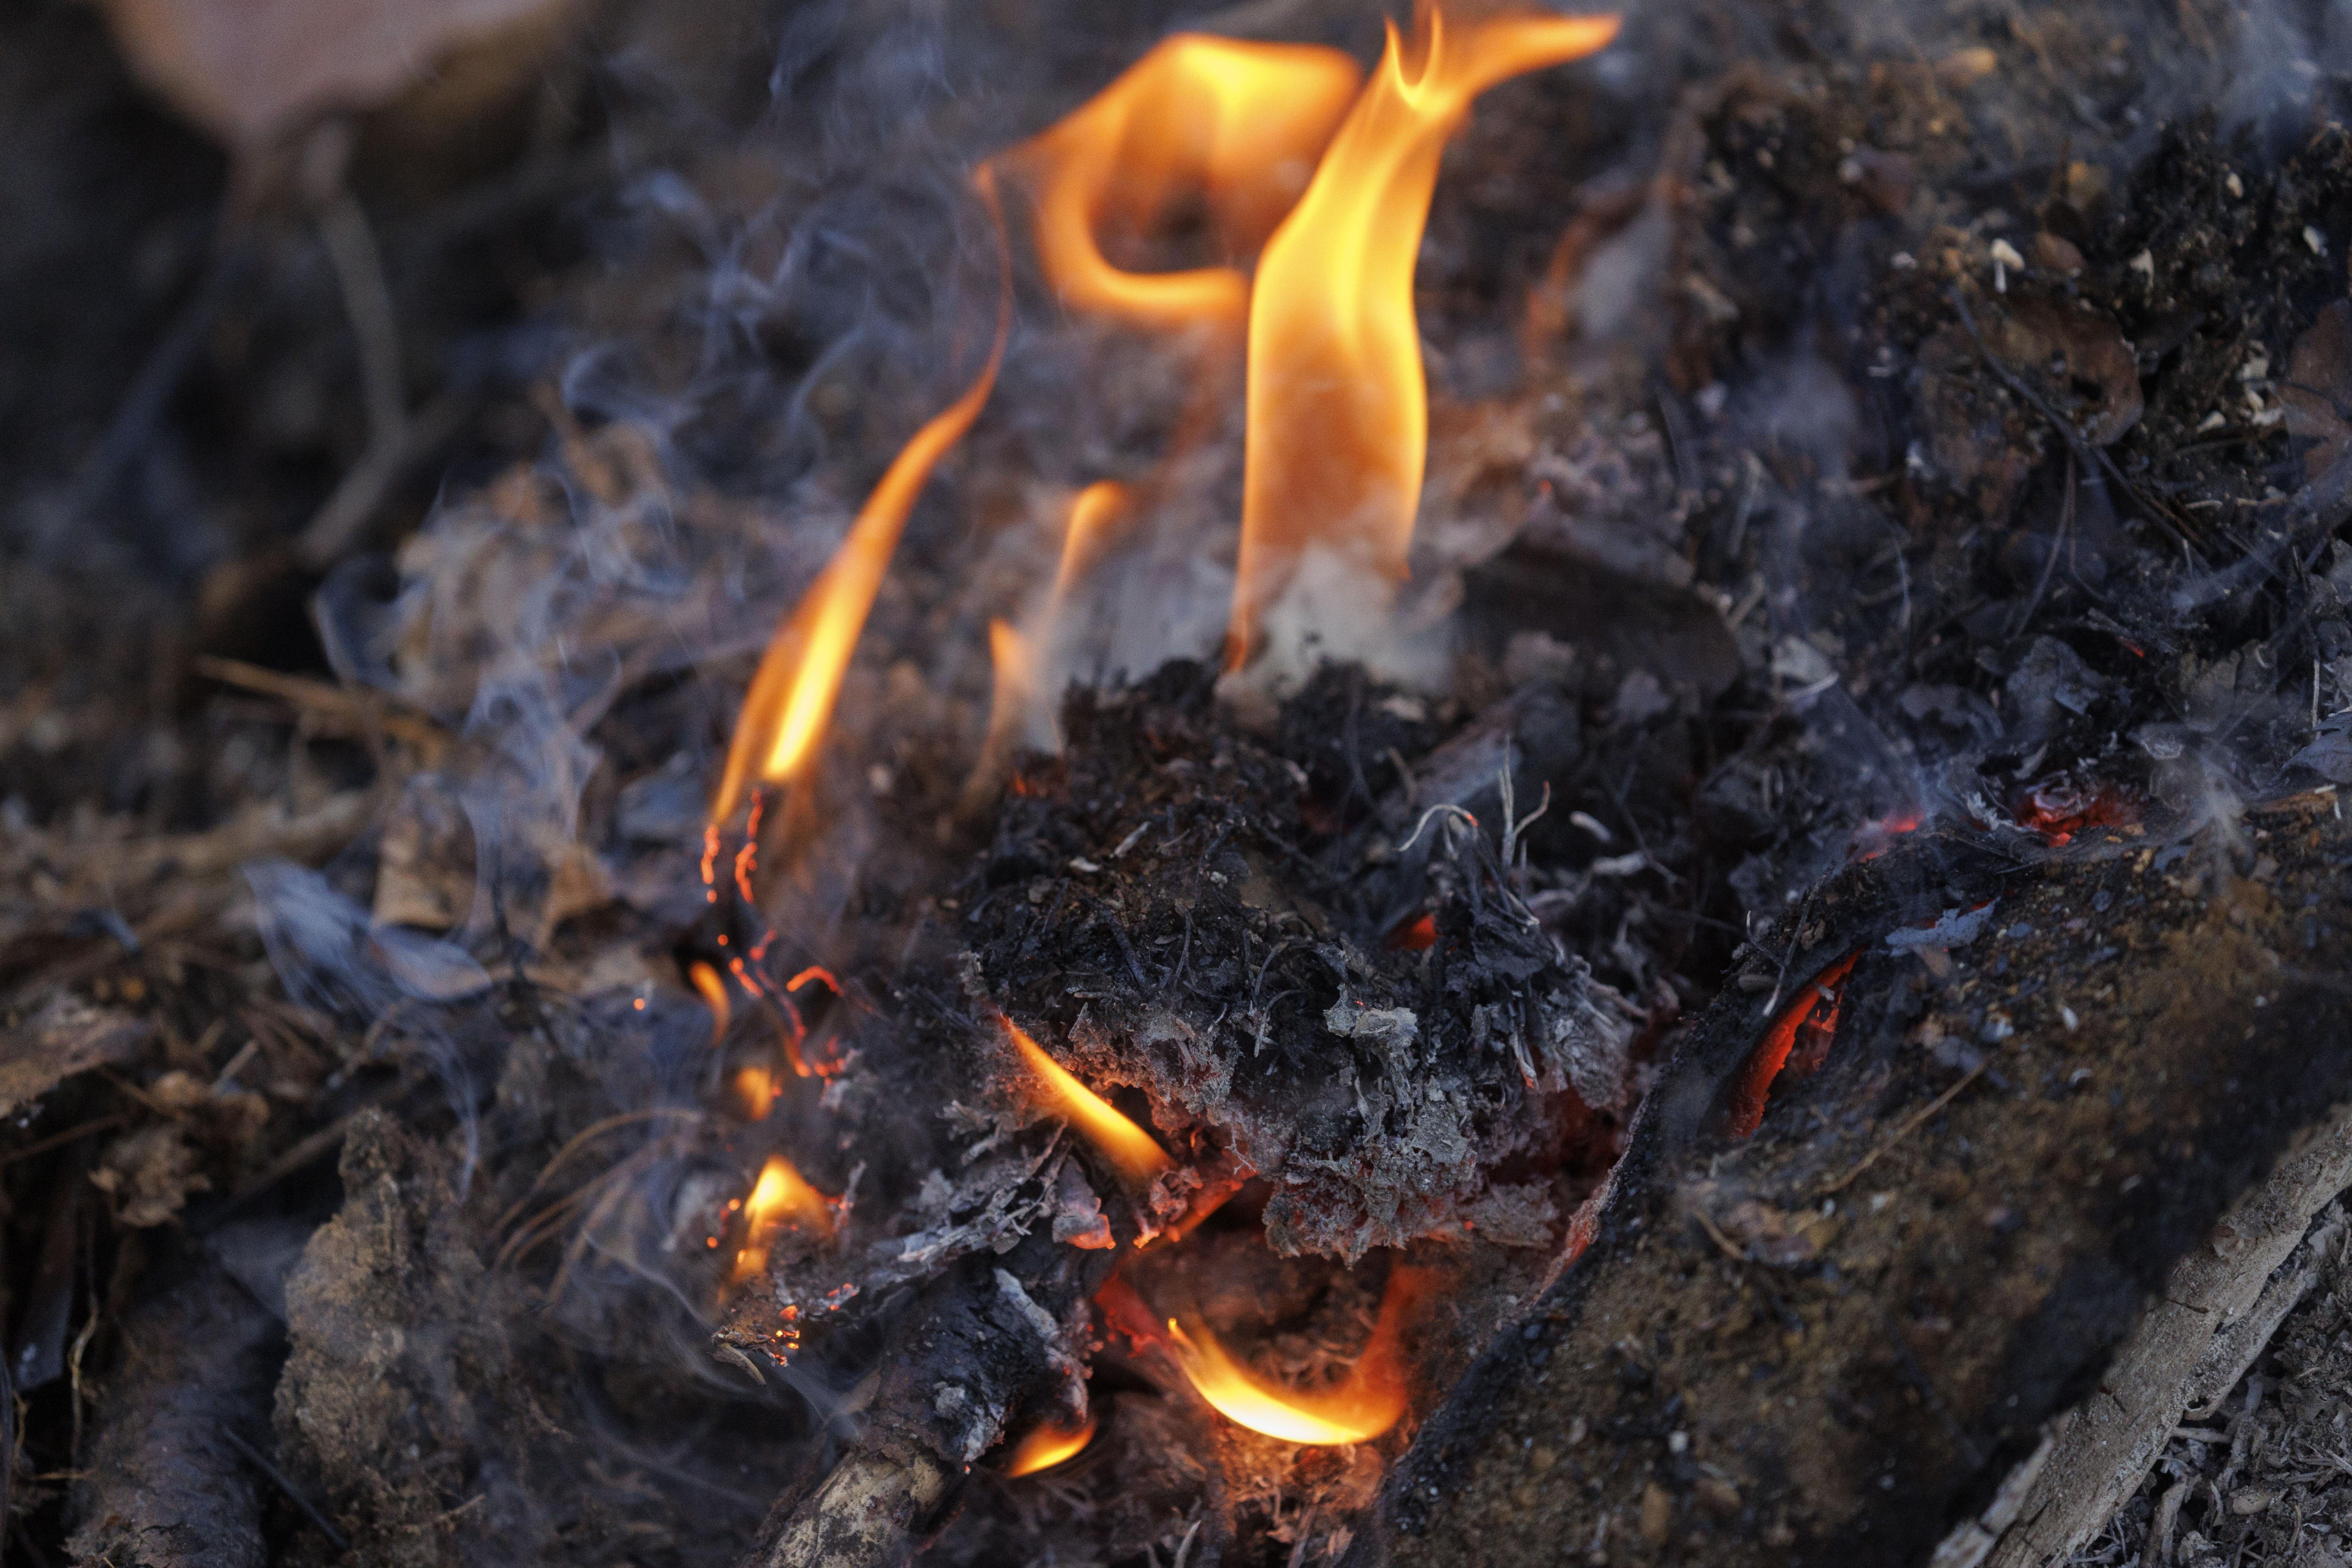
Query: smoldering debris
(1992, 500)
(1375, 1030)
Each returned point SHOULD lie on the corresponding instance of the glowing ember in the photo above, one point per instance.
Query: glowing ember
(1235, 126)
(781, 1197)
(1048, 1445)
(791, 696)
(1122, 1142)
(1418, 934)
(1873, 838)
(1798, 1040)
(1337, 416)
(1366, 1404)
(2060, 807)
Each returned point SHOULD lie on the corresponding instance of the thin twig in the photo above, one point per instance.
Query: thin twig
(338, 708)
(1910, 1124)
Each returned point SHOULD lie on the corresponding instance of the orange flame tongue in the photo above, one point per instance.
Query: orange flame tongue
(791, 696)
(1237, 124)
(1124, 1143)
(1368, 1404)
(1338, 411)
(781, 1196)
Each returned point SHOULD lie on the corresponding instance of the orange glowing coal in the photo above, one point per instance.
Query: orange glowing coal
(790, 703)
(1798, 1041)
(1338, 414)
(1232, 126)
(1122, 1142)
(1049, 1445)
(781, 1197)
(1368, 1402)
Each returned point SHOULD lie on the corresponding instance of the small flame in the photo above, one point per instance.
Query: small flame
(1048, 1444)
(1092, 512)
(781, 1197)
(714, 995)
(1362, 1407)
(1020, 704)
(1124, 1143)
(1011, 708)
(1234, 125)
(757, 1089)
(1337, 412)
(790, 700)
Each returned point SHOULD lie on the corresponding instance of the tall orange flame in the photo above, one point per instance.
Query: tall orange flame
(1049, 1445)
(1338, 414)
(1125, 1145)
(790, 700)
(1234, 125)
(781, 1196)
(1366, 1404)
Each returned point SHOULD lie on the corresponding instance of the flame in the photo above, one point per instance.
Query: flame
(1813, 1014)
(714, 993)
(1356, 1411)
(1338, 413)
(758, 1090)
(1092, 512)
(790, 703)
(1236, 125)
(781, 1197)
(1048, 1444)
(1020, 707)
(1124, 1143)
(1011, 708)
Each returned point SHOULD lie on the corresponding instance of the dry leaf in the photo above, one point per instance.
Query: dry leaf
(65, 1036)
(248, 70)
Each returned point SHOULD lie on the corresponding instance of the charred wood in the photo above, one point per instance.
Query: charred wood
(1763, 1357)
(172, 1481)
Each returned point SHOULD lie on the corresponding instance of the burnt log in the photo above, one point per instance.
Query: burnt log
(1834, 1340)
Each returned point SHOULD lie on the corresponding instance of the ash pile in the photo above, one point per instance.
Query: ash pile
(1701, 1028)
